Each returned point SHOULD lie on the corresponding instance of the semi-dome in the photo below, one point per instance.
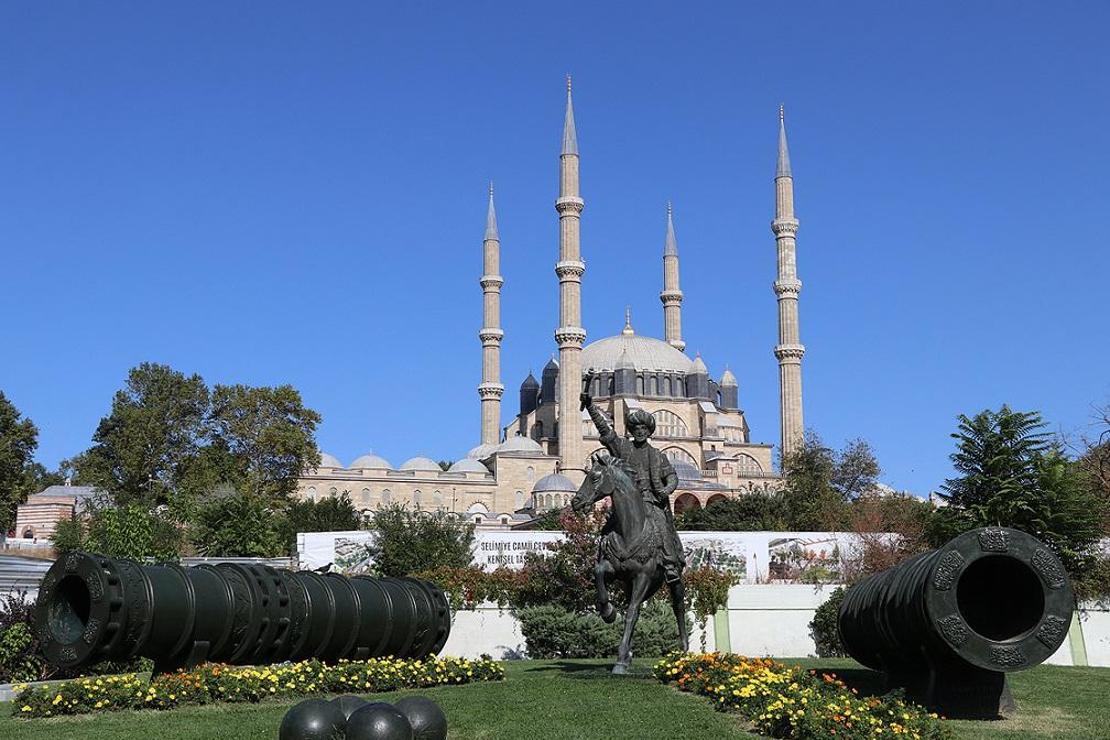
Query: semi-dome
(421, 463)
(555, 483)
(370, 460)
(644, 353)
(519, 444)
(468, 465)
(687, 472)
(481, 452)
(329, 461)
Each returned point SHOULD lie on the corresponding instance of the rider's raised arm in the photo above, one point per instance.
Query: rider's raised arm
(604, 428)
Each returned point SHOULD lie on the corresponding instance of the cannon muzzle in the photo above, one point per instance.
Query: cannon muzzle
(988, 602)
(92, 608)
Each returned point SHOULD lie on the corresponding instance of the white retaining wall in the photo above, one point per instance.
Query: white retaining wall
(761, 620)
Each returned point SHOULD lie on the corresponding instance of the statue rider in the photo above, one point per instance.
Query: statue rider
(655, 477)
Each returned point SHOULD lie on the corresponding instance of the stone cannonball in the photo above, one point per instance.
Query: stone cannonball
(312, 719)
(427, 719)
(378, 721)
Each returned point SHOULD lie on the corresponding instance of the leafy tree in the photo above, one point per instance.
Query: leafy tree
(18, 440)
(751, 512)
(267, 434)
(820, 481)
(565, 577)
(332, 514)
(130, 531)
(232, 524)
(36, 478)
(549, 521)
(146, 449)
(874, 519)
(445, 464)
(68, 536)
(409, 542)
(1011, 475)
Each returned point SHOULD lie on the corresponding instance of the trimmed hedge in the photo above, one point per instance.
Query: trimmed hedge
(554, 632)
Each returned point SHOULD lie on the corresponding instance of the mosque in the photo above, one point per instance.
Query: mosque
(536, 462)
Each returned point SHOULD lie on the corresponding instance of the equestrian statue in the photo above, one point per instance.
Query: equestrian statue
(639, 546)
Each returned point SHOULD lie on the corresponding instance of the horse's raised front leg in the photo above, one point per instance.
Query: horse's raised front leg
(678, 605)
(603, 573)
(640, 587)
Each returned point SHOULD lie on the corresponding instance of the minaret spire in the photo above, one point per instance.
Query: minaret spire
(570, 336)
(570, 136)
(790, 349)
(490, 390)
(671, 295)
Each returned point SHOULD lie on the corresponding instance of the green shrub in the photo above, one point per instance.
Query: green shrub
(554, 632)
(18, 661)
(824, 630)
(408, 542)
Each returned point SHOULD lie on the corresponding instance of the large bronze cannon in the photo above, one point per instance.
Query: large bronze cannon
(92, 608)
(948, 625)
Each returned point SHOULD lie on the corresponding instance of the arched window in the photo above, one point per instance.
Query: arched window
(653, 386)
(748, 464)
(28, 534)
(365, 498)
(667, 388)
(639, 384)
(437, 500)
(416, 499)
(518, 499)
(597, 385)
(531, 474)
(612, 384)
(677, 454)
(669, 424)
(387, 497)
(333, 492)
(310, 494)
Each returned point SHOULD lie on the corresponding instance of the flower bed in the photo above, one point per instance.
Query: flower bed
(214, 683)
(789, 702)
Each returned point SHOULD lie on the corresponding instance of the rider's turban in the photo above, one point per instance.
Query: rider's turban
(639, 416)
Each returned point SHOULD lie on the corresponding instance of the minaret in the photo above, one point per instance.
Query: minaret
(570, 336)
(490, 390)
(671, 295)
(790, 349)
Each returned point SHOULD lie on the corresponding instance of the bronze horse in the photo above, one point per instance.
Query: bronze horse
(630, 551)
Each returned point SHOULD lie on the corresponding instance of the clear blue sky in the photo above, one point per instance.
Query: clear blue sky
(295, 193)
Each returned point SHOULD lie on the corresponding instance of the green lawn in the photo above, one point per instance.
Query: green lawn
(551, 700)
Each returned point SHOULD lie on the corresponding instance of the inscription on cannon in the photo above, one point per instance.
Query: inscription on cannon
(1048, 567)
(948, 569)
(953, 629)
(993, 540)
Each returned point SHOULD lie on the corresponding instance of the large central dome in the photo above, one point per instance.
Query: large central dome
(645, 353)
